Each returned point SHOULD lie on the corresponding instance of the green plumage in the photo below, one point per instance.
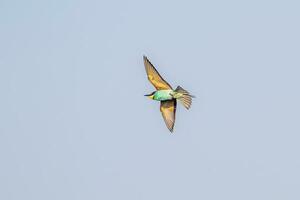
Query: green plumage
(163, 95)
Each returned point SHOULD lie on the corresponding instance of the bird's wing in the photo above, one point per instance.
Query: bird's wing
(154, 77)
(168, 111)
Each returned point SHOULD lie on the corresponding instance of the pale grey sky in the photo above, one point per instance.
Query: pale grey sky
(75, 124)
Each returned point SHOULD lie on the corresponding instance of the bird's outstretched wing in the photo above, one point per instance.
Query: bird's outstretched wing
(168, 111)
(154, 77)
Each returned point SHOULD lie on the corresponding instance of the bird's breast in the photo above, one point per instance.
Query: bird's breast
(162, 95)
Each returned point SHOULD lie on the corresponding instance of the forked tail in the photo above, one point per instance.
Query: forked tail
(184, 97)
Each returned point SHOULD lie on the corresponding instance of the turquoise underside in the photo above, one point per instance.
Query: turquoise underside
(162, 95)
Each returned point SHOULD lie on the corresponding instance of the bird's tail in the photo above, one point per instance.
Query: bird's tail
(184, 97)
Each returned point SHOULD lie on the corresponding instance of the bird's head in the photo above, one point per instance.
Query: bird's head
(150, 96)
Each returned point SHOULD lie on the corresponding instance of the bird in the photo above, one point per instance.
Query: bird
(167, 96)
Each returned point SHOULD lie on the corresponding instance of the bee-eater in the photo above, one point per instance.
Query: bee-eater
(166, 95)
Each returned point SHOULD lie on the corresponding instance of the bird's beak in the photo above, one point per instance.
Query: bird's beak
(150, 96)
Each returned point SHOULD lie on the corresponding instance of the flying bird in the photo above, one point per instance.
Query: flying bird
(166, 95)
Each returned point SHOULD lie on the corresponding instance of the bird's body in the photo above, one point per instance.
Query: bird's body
(163, 95)
(166, 95)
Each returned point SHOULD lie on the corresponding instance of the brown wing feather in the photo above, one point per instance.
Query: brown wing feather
(154, 77)
(168, 110)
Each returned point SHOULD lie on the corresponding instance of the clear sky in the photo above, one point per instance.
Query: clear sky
(75, 124)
